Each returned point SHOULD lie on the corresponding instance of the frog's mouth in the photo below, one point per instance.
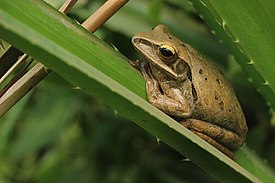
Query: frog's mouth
(149, 51)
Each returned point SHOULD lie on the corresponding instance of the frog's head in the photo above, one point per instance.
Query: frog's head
(163, 50)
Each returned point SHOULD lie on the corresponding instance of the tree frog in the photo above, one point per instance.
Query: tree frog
(190, 89)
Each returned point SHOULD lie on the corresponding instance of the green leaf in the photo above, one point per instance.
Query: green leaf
(44, 130)
(247, 29)
(69, 50)
(8, 125)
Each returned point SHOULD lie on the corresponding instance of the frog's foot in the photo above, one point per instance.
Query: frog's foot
(143, 67)
(217, 136)
(139, 65)
(135, 63)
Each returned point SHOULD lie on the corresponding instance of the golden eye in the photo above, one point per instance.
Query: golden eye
(166, 53)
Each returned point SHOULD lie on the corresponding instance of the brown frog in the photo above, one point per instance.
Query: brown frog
(190, 89)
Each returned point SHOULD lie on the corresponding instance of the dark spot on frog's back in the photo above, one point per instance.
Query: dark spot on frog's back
(170, 37)
(200, 71)
(218, 81)
(221, 104)
(183, 45)
(216, 95)
(194, 93)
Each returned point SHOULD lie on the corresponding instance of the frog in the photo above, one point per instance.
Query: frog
(190, 89)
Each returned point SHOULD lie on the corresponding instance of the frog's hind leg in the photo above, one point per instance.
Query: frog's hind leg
(214, 143)
(221, 138)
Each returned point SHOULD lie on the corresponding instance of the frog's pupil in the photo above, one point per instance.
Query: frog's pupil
(166, 52)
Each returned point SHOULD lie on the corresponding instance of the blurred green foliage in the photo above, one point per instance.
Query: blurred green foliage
(57, 133)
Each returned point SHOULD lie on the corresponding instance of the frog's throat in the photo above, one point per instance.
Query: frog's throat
(148, 50)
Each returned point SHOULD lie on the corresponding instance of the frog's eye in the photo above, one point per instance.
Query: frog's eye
(166, 53)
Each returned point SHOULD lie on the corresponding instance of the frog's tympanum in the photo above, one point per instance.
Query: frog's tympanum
(190, 89)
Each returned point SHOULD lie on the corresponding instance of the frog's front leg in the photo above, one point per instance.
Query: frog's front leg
(173, 104)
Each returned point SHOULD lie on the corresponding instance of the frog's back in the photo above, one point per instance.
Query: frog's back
(214, 95)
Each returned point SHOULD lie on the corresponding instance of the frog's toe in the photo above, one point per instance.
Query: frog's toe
(135, 63)
(140, 65)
